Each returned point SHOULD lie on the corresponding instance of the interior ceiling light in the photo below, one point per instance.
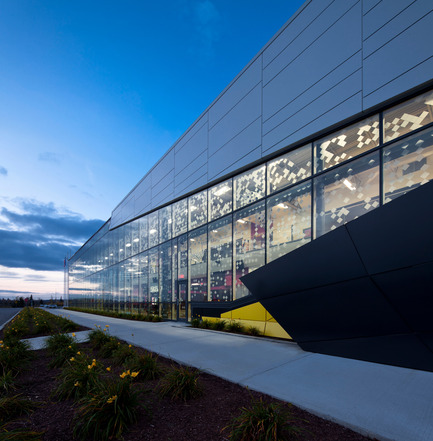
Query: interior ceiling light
(282, 205)
(241, 221)
(136, 239)
(128, 245)
(152, 231)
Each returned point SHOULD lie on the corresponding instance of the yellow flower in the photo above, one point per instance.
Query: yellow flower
(72, 359)
(109, 368)
(73, 334)
(89, 366)
(130, 346)
(107, 326)
(123, 375)
(77, 383)
(111, 399)
(134, 374)
(78, 353)
(70, 347)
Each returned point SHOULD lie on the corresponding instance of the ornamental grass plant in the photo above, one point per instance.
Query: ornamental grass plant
(7, 383)
(14, 406)
(99, 337)
(14, 355)
(122, 353)
(19, 434)
(181, 383)
(147, 365)
(109, 410)
(79, 377)
(263, 421)
(109, 347)
(62, 347)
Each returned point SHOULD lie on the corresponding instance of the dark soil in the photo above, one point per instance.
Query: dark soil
(200, 419)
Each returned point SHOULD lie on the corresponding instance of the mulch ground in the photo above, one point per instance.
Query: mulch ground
(200, 419)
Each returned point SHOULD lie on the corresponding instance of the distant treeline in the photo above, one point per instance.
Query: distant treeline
(21, 302)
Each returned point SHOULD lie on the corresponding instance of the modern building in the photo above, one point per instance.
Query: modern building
(298, 173)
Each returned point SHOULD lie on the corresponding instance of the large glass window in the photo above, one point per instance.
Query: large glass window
(249, 250)
(407, 165)
(144, 233)
(166, 282)
(220, 200)
(154, 281)
(249, 187)
(346, 193)
(165, 223)
(346, 144)
(197, 209)
(153, 229)
(180, 217)
(198, 264)
(408, 116)
(144, 281)
(289, 169)
(127, 229)
(220, 264)
(289, 220)
(135, 235)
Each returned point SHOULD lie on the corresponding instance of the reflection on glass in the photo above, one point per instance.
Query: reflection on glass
(289, 169)
(249, 249)
(346, 193)
(249, 187)
(407, 165)
(153, 229)
(220, 264)
(220, 200)
(165, 280)
(408, 116)
(198, 265)
(180, 217)
(144, 281)
(197, 209)
(165, 223)
(346, 144)
(144, 233)
(135, 236)
(154, 281)
(289, 220)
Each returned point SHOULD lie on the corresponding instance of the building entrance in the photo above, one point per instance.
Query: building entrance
(182, 300)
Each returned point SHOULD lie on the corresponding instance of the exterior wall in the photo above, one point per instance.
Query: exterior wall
(333, 60)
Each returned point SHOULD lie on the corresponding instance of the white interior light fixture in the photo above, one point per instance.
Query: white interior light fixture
(152, 231)
(192, 208)
(222, 190)
(241, 221)
(214, 231)
(282, 205)
(349, 185)
(128, 245)
(121, 249)
(136, 239)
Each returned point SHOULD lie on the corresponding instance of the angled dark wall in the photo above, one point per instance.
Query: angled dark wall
(364, 290)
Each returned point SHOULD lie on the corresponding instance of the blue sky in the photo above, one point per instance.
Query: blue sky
(92, 94)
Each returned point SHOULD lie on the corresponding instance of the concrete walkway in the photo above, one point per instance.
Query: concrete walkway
(384, 402)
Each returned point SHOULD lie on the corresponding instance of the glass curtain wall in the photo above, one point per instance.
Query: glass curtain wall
(198, 248)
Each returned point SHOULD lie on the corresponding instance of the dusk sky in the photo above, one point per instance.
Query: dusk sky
(92, 93)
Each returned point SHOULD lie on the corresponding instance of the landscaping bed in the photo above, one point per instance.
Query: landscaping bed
(200, 417)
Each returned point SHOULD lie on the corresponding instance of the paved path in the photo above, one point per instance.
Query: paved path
(7, 314)
(385, 402)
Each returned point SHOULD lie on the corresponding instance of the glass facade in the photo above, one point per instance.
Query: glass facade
(198, 248)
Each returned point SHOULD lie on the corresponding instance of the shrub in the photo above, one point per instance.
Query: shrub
(79, 377)
(219, 325)
(122, 354)
(108, 411)
(205, 324)
(108, 348)
(181, 383)
(252, 330)
(195, 323)
(62, 347)
(14, 355)
(263, 422)
(99, 337)
(7, 383)
(11, 407)
(234, 327)
(147, 366)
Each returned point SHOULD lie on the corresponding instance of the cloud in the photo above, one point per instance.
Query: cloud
(3, 171)
(39, 236)
(49, 157)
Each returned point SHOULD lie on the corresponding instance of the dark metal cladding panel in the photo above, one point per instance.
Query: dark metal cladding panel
(398, 234)
(339, 311)
(398, 350)
(410, 290)
(328, 259)
(427, 339)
